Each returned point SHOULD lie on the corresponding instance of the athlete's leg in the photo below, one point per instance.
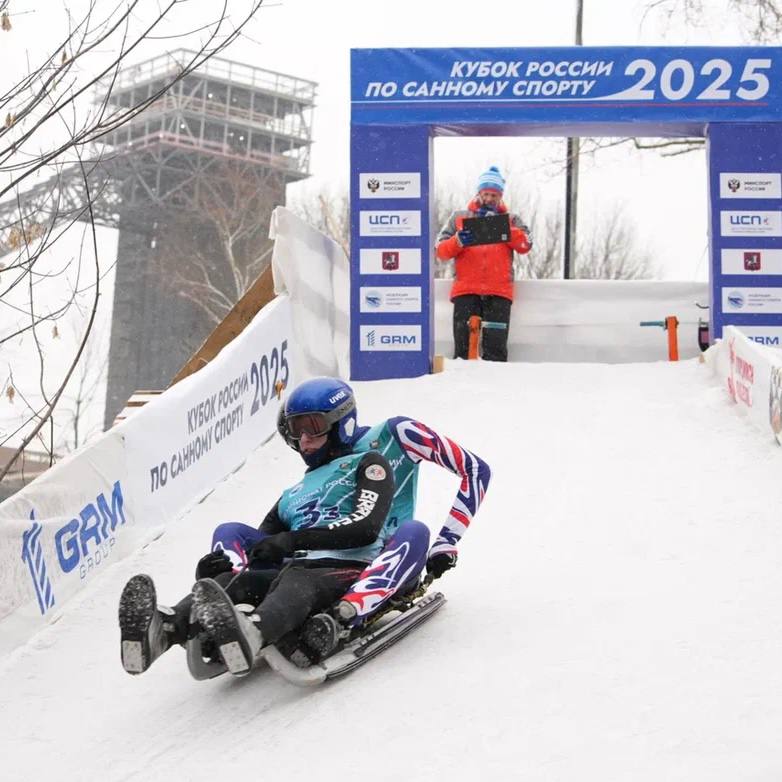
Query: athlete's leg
(395, 569)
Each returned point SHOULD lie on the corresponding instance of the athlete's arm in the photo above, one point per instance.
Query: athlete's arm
(421, 443)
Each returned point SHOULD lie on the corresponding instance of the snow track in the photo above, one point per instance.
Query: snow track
(615, 614)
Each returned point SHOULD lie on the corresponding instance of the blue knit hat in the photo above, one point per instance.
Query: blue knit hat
(491, 179)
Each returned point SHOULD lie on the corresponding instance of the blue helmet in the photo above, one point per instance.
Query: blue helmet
(322, 405)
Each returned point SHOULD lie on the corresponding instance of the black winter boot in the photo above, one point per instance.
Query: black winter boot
(146, 629)
(321, 634)
(236, 637)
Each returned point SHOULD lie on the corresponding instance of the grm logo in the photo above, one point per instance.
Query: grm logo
(370, 338)
(397, 339)
(32, 556)
(94, 525)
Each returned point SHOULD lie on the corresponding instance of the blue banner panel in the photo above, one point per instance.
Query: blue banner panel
(679, 87)
(391, 319)
(745, 189)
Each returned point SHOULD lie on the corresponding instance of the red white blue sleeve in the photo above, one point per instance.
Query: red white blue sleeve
(421, 443)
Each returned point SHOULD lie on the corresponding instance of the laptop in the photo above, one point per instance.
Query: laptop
(489, 230)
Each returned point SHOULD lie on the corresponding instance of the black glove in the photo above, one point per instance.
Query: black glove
(465, 237)
(214, 563)
(273, 549)
(437, 564)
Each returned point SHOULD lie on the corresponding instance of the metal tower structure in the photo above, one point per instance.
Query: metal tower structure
(158, 167)
(224, 113)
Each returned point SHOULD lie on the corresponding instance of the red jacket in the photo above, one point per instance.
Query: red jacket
(483, 269)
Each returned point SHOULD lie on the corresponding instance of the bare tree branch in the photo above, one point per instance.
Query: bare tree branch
(48, 129)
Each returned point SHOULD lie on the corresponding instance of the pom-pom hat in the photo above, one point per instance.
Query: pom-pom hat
(491, 179)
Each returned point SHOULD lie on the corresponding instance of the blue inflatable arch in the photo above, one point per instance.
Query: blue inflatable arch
(402, 98)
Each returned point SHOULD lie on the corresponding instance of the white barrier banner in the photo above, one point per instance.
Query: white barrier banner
(589, 320)
(752, 375)
(59, 532)
(201, 429)
(314, 271)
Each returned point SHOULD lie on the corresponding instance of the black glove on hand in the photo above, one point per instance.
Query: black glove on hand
(214, 563)
(272, 550)
(437, 564)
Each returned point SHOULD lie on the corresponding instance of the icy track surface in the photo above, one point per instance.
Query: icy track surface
(615, 614)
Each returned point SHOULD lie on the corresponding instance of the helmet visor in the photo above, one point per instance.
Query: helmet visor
(313, 424)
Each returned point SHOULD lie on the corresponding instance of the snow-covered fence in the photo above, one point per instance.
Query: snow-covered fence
(100, 503)
(752, 376)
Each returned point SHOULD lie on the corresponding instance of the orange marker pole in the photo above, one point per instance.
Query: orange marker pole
(474, 324)
(671, 324)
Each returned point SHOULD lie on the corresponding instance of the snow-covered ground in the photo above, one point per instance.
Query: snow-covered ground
(615, 614)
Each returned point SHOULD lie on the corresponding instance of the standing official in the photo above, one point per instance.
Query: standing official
(484, 272)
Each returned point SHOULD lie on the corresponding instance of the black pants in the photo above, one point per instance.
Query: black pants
(490, 308)
(285, 598)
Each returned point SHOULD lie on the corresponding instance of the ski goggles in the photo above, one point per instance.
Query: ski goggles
(312, 424)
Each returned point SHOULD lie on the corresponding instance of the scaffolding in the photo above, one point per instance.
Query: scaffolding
(222, 111)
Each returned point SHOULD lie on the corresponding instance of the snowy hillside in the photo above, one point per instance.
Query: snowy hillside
(615, 614)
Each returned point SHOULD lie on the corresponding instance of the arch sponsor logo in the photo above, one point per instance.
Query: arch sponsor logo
(387, 299)
(765, 223)
(381, 337)
(755, 261)
(404, 185)
(770, 336)
(752, 300)
(403, 260)
(735, 185)
(390, 223)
